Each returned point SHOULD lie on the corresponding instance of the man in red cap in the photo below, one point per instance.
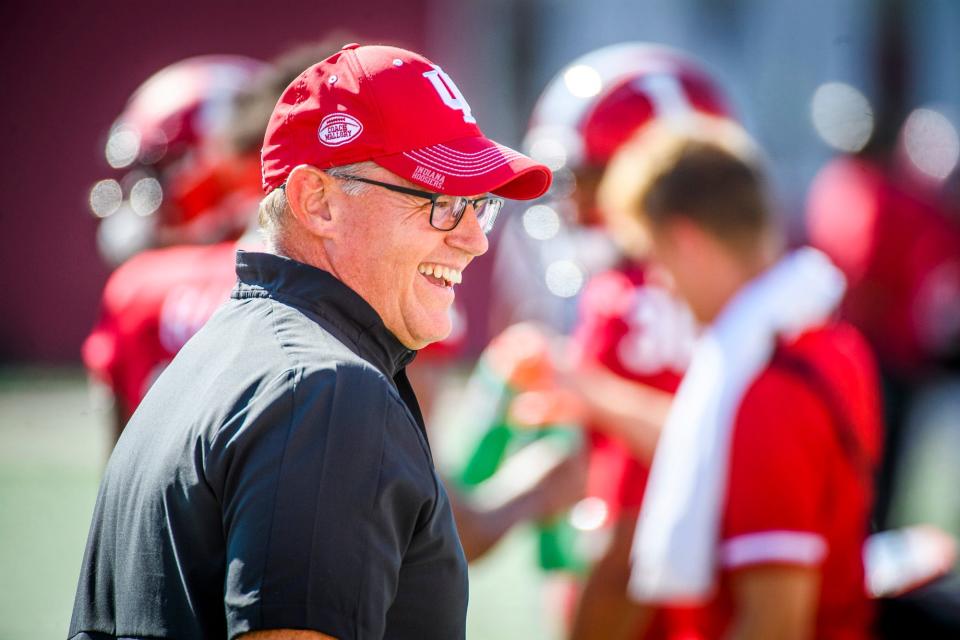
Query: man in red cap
(276, 481)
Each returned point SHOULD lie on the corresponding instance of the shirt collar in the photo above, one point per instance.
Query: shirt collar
(319, 291)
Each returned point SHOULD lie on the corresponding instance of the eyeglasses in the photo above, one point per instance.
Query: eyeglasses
(446, 211)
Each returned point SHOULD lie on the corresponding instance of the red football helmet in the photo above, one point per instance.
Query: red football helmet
(597, 101)
(169, 138)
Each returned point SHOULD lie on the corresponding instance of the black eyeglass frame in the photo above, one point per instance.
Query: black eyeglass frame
(433, 197)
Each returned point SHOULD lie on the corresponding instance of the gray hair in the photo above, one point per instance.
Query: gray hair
(273, 209)
(352, 187)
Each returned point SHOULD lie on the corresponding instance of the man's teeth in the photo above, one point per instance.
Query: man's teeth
(454, 276)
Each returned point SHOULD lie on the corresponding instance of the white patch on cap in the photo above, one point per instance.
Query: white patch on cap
(397, 62)
(338, 129)
(429, 177)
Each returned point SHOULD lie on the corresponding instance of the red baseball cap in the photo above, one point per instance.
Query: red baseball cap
(401, 111)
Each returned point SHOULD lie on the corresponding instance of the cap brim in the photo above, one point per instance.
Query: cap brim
(471, 166)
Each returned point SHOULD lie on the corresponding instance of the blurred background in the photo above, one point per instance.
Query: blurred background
(812, 81)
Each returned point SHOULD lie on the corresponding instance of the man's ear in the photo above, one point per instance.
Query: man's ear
(676, 239)
(687, 237)
(308, 192)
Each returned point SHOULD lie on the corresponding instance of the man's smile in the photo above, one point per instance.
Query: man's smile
(440, 275)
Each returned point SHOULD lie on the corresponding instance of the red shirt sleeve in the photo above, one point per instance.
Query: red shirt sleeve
(119, 354)
(104, 349)
(778, 473)
(124, 349)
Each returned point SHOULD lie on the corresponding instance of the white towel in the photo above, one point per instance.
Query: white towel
(675, 547)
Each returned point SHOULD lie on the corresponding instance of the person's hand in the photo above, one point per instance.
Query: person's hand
(521, 356)
(534, 409)
(901, 560)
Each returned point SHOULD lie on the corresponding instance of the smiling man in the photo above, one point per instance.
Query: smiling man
(276, 481)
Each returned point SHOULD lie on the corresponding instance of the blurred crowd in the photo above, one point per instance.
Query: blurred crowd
(717, 427)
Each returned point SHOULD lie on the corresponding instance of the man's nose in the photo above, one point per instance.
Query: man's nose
(468, 236)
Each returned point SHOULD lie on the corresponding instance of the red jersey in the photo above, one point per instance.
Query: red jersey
(901, 257)
(152, 304)
(634, 327)
(799, 486)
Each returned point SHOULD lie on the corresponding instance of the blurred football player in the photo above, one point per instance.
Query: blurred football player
(631, 338)
(877, 215)
(760, 491)
(900, 252)
(185, 183)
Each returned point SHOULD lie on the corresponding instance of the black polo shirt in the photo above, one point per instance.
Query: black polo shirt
(277, 475)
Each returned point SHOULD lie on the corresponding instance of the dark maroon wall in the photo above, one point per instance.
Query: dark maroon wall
(66, 71)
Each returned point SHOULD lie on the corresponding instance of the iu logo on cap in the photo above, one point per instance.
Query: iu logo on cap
(338, 129)
(449, 92)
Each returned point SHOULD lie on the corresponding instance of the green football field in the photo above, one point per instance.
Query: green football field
(53, 444)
